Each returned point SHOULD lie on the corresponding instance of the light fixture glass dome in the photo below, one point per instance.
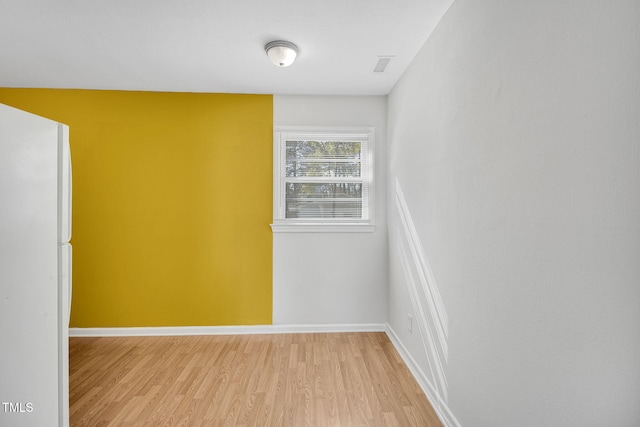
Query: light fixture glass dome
(281, 53)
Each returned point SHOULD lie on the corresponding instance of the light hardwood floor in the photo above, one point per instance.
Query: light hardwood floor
(327, 379)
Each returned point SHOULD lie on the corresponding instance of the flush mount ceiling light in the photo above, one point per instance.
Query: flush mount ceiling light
(281, 53)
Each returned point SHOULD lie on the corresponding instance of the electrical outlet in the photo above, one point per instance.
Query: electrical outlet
(410, 322)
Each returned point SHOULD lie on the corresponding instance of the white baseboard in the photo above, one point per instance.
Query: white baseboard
(223, 330)
(439, 405)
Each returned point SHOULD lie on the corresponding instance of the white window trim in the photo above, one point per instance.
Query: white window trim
(282, 225)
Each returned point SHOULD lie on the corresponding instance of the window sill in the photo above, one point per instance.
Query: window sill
(323, 228)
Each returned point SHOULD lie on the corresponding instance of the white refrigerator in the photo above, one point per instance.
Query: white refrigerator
(35, 270)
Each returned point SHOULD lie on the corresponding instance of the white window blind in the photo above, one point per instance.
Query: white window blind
(323, 177)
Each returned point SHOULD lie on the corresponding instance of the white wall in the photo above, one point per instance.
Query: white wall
(515, 137)
(334, 278)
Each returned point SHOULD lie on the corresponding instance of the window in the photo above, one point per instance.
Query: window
(323, 179)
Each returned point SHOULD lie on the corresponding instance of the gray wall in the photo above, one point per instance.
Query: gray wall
(334, 278)
(515, 138)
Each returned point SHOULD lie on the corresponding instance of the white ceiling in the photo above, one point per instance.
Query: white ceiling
(211, 45)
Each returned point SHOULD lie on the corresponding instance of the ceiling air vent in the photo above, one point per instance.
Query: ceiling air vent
(383, 61)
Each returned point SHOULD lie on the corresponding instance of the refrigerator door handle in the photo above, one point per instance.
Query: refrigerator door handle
(64, 184)
(64, 314)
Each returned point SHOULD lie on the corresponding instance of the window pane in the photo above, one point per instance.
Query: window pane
(303, 168)
(323, 150)
(324, 200)
(323, 158)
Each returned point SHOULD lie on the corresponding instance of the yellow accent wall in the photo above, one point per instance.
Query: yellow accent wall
(172, 200)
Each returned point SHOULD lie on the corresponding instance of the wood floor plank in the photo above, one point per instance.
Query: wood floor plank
(333, 379)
